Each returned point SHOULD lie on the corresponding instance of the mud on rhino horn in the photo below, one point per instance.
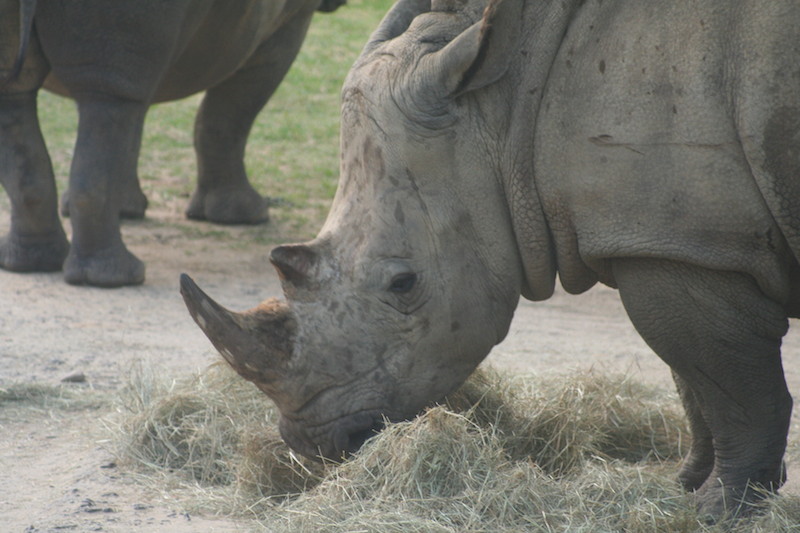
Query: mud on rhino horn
(256, 343)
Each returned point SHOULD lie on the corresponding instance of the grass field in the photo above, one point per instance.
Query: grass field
(293, 151)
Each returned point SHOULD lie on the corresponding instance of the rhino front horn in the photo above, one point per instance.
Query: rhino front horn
(257, 343)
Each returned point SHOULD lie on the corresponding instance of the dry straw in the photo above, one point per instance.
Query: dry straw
(578, 453)
(19, 398)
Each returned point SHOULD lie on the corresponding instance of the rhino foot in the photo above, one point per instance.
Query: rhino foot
(39, 255)
(717, 502)
(229, 206)
(719, 505)
(695, 470)
(112, 267)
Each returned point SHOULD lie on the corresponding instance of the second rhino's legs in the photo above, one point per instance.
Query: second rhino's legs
(107, 148)
(36, 240)
(224, 195)
(134, 202)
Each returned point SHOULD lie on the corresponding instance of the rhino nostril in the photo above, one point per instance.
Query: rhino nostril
(350, 437)
(357, 438)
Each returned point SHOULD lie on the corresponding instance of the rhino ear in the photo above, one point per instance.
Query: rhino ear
(481, 54)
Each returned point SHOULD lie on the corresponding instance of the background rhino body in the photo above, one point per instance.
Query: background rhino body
(652, 146)
(115, 60)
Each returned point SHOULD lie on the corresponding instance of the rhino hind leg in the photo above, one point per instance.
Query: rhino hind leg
(233, 205)
(721, 335)
(36, 241)
(224, 194)
(699, 462)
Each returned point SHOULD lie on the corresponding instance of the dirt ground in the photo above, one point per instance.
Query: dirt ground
(56, 470)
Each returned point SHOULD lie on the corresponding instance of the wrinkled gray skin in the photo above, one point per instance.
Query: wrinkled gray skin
(651, 146)
(115, 59)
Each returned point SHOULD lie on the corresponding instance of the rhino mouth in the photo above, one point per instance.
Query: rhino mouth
(333, 441)
(351, 436)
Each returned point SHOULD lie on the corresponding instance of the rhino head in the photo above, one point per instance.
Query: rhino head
(415, 274)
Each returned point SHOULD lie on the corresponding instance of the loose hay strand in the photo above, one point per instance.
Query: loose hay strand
(504, 454)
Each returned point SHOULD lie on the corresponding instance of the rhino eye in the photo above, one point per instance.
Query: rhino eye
(403, 283)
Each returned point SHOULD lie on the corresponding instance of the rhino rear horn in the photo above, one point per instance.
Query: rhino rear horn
(256, 343)
(293, 262)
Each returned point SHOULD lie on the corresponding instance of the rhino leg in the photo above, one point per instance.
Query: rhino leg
(699, 462)
(721, 335)
(224, 195)
(36, 241)
(107, 148)
(134, 202)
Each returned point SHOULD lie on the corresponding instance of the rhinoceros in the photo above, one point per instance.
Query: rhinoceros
(651, 146)
(115, 59)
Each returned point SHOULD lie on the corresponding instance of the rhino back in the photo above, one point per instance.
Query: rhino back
(155, 53)
(638, 150)
(225, 39)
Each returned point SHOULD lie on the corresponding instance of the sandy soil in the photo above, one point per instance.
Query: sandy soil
(56, 473)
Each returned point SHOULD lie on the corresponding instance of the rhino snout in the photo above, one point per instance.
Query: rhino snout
(334, 441)
(350, 435)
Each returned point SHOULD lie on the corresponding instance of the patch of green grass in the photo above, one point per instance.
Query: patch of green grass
(293, 150)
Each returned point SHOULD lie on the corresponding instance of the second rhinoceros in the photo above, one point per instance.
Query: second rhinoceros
(651, 146)
(115, 59)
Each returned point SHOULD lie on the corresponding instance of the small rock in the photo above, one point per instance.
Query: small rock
(75, 377)
(89, 506)
(88, 502)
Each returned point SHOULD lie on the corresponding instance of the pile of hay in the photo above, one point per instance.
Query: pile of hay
(214, 436)
(19, 398)
(577, 453)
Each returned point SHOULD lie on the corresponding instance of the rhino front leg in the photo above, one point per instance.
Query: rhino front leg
(224, 194)
(36, 240)
(721, 335)
(134, 202)
(107, 148)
